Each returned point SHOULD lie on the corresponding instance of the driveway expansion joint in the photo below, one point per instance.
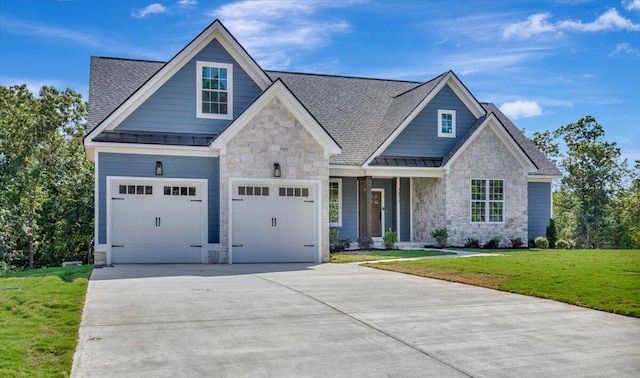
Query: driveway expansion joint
(387, 334)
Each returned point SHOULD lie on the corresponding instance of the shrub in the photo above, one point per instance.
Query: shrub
(516, 242)
(472, 243)
(335, 243)
(552, 233)
(441, 235)
(365, 243)
(493, 243)
(541, 242)
(563, 244)
(390, 238)
(531, 243)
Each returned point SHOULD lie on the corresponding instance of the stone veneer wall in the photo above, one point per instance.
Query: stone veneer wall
(486, 158)
(273, 135)
(429, 207)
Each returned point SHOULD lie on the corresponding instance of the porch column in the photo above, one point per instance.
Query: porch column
(365, 216)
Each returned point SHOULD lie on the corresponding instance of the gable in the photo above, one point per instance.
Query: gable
(172, 107)
(278, 90)
(420, 137)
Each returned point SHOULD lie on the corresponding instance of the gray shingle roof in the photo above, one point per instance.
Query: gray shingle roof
(359, 113)
(112, 81)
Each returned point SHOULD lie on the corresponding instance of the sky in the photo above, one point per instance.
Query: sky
(544, 63)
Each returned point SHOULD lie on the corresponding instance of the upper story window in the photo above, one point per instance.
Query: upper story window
(487, 201)
(214, 90)
(446, 123)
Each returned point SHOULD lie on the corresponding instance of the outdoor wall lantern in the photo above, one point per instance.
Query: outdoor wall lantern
(159, 171)
(276, 170)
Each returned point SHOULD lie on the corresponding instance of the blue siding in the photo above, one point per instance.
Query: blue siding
(405, 209)
(110, 164)
(349, 229)
(172, 108)
(420, 137)
(389, 201)
(539, 208)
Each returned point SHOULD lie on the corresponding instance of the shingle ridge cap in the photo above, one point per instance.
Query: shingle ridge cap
(343, 76)
(128, 59)
(421, 84)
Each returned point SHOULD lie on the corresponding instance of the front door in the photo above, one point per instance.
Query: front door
(376, 212)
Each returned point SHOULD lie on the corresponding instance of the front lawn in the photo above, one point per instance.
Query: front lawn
(358, 256)
(40, 314)
(606, 280)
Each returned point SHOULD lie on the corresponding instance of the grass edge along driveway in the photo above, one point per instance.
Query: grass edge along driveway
(383, 254)
(607, 280)
(40, 320)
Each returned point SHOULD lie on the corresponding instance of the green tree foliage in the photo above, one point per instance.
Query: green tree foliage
(46, 201)
(552, 233)
(592, 207)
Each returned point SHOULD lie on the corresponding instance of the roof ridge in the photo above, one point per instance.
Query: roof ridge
(342, 76)
(128, 59)
(421, 84)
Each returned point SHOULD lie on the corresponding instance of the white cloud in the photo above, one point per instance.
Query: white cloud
(273, 31)
(535, 24)
(632, 4)
(538, 24)
(32, 28)
(625, 48)
(521, 109)
(609, 20)
(155, 8)
(187, 3)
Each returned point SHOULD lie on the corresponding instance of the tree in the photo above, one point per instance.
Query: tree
(593, 175)
(41, 159)
(552, 233)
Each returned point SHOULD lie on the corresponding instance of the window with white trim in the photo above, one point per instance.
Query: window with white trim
(487, 201)
(335, 202)
(446, 123)
(214, 90)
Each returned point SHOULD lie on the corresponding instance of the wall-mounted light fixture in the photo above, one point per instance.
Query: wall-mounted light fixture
(159, 171)
(276, 170)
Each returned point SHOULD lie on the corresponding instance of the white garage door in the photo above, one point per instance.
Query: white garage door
(156, 222)
(273, 223)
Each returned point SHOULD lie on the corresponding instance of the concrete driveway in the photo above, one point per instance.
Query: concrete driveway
(330, 320)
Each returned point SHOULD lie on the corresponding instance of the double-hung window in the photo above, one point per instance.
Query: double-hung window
(335, 202)
(487, 201)
(446, 123)
(214, 90)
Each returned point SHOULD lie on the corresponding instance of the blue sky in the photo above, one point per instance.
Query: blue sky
(544, 63)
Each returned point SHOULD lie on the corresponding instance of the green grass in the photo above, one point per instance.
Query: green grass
(607, 280)
(39, 322)
(359, 256)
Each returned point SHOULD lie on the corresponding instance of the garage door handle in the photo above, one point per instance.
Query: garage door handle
(309, 245)
(237, 245)
(196, 200)
(117, 246)
(117, 198)
(196, 246)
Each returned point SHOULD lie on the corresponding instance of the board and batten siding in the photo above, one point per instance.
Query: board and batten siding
(539, 208)
(182, 167)
(172, 108)
(420, 137)
(349, 228)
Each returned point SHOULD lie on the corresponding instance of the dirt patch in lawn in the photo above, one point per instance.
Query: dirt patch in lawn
(477, 279)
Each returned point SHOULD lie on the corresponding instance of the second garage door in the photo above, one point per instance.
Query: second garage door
(273, 223)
